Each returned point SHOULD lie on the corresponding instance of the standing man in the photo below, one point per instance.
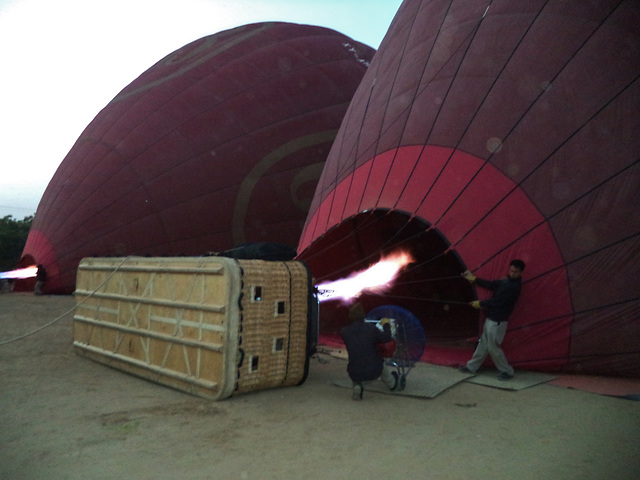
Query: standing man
(41, 277)
(498, 309)
(365, 360)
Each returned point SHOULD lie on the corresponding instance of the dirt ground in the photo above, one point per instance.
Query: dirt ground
(65, 417)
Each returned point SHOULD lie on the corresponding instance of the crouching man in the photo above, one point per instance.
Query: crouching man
(365, 360)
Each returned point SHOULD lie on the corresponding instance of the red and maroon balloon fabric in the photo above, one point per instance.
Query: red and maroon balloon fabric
(486, 131)
(218, 144)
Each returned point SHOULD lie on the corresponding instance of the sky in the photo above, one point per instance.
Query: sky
(64, 60)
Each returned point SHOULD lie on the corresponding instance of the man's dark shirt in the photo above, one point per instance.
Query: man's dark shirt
(505, 294)
(365, 360)
(41, 274)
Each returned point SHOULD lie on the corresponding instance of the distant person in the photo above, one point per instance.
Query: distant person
(498, 310)
(365, 360)
(41, 277)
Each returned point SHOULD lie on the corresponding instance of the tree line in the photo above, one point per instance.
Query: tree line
(13, 237)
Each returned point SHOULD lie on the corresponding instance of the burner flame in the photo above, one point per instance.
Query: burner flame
(377, 279)
(20, 272)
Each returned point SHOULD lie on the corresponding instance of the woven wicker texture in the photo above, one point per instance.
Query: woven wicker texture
(273, 324)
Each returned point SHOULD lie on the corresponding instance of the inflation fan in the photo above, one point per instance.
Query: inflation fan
(409, 337)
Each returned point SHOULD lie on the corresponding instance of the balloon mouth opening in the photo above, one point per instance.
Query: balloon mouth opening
(429, 285)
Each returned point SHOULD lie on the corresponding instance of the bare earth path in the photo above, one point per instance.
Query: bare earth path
(65, 417)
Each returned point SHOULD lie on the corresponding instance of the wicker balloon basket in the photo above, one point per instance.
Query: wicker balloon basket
(210, 326)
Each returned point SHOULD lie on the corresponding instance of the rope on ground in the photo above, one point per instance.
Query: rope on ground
(68, 311)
